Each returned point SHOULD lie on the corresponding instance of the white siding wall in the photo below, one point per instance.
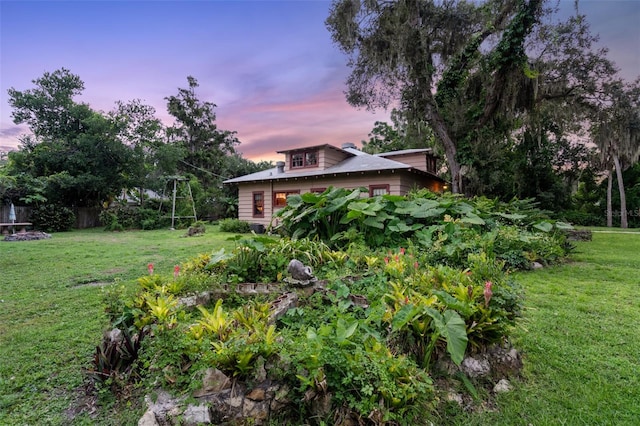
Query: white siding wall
(245, 202)
(330, 157)
(417, 160)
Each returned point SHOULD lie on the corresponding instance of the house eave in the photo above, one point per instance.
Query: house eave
(282, 177)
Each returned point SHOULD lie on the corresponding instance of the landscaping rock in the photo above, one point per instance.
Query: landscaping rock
(476, 366)
(164, 407)
(222, 411)
(455, 397)
(505, 361)
(281, 305)
(257, 411)
(536, 265)
(502, 386)
(257, 394)
(148, 419)
(299, 272)
(27, 236)
(188, 301)
(280, 397)
(115, 336)
(578, 235)
(196, 415)
(213, 381)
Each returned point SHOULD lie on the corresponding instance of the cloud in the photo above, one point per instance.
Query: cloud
(10, 137)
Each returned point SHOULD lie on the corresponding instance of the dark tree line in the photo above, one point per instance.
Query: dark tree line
(78, 157)
(508, 93)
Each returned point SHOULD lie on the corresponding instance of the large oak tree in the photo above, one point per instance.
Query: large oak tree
(476, 72)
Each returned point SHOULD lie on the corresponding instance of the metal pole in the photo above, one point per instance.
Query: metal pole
(193, 203)
(173, 207)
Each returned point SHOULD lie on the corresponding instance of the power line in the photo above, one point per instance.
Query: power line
(203, 170)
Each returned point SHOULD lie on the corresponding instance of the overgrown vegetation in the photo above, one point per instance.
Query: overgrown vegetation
(448, 227)
(52, 218)
(46, 340)
(234, 225)
(373, 361)
(423, 300)
(120, 217)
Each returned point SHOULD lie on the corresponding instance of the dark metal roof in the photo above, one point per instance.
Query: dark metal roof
(359, 162)
(405, 151)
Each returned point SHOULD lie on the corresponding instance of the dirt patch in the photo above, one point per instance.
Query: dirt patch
(84, 402)
(92, 284)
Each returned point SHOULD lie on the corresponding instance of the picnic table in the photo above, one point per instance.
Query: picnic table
(4, 227)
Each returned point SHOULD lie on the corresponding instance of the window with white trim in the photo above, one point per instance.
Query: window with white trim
(375, 190)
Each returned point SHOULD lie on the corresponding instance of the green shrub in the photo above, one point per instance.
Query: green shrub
(235, 226)
(449, 227)
(373, 360)
(577, 217)
(52, 218)
(120, 217)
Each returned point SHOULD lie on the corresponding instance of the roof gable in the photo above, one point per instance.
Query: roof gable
(356, 162)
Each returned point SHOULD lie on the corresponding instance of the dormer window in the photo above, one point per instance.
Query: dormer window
(304, 159)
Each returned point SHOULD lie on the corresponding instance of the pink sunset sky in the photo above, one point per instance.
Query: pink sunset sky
(269, 66)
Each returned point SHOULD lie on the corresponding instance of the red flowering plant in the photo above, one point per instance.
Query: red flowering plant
(400, 264)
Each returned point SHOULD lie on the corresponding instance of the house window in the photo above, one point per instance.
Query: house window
(311, 158)
(280, 197)
(304, 159)
(297, 160)
(258, 204)
(431, 164)
(375, 190)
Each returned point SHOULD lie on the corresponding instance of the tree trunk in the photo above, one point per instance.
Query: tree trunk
(442, 133)
(623, 197)
(609, 212)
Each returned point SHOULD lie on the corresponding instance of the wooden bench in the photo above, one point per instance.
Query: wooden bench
(4, 227)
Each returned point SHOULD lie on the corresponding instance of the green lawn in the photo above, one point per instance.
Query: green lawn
(579, 335)
(51, 314)
(580, 341)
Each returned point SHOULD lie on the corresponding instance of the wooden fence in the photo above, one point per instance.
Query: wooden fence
(86, 217)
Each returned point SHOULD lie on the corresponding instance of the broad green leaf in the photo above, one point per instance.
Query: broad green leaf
(359, 206)
(393, 198)
(374, 223)
(453, 303)
(311, 334)
(343, 291)
(311, 198)
(463, 208)
(543, 226)
(404, 316)
(343, 332)
(219, 256)
(453, 329)
(563, 226)
(294, 200)
(428, 204)
(400, 227)
(424, 213)
(351, 215)
(512, 216)
(473, 219)
(405, 207)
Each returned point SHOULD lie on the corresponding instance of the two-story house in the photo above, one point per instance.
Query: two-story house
(315, 168)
